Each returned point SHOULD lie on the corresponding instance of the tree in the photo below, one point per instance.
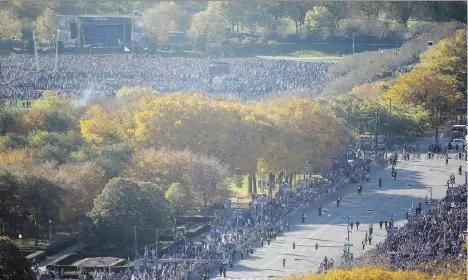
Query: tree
(10, 25)
(204, 175)
(13, 265)
(82, 183)
(297, 12)
(138, 204)
(369, 10)
(320, 20)
(423, 87)
(235, 13)
(403, 10)
(210, 24)
(114, 158)
(45, 27)
(180, 198)
(9, 192)
(376, 273)
(44, 199)
(207, 177)
(448, 58)
(164, 18)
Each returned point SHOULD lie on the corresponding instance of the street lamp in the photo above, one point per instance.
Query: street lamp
(20, 237)
(50, 230)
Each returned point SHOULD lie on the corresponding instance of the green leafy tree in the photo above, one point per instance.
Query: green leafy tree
(114, 158)
(180, 198)
(13, 265)
(210, 24)
(320, 20)
(164, 18)
(9, 192)
(141, 205)
(297, 11)
(44, 199)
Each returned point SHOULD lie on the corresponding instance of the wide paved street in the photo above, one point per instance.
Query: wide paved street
(329, 230)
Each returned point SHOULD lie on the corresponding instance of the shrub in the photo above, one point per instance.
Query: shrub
(13, 265)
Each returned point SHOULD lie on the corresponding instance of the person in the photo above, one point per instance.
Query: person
(367, 177)
(380, 182)
(294, 245)
(357, 225)
(446, 160)
(284, 262)
(287, 224)
(224, 271)
(363, 244)
(394, 175)
(337, 201)
(460, 170)
(303, 219)
(366, 235)
(351, 224)
(320, 210)
(386, 224)
(261, 241)
(242, 254)
(359, 189)
(381, 223)
(370, 239)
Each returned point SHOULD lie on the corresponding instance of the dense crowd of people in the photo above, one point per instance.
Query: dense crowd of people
(84, 76)
(230, 239)
(435, 235)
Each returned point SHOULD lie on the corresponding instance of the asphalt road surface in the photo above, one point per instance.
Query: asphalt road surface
(329, 230)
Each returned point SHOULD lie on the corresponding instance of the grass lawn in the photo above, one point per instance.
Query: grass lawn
(27, 244)
(79, 262)
(304, 57)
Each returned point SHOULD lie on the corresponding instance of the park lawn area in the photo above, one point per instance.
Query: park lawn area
(328, 59)
(27, 244)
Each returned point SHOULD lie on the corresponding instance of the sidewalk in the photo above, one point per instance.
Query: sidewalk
(70, 250)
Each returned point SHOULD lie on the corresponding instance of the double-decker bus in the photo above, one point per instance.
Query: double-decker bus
(458, 132)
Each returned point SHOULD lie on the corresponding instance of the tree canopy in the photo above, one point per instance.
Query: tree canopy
(13, 265)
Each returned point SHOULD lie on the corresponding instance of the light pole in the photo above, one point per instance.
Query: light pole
(50, 231)
(56, 50)
(20, 237)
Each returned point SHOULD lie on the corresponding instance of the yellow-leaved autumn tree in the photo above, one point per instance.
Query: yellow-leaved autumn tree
(374, 274)
(423, 87)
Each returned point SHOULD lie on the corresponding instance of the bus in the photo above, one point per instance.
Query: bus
(458, 132)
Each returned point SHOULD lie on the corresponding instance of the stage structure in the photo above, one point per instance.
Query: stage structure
(100, 31)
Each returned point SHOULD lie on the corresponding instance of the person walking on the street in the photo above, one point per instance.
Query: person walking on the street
(357, 225)
(370, 239)
(284, 262)
(351, 224)
(366, 235)
(381, 223)
(363, 244)
(394, 175)
(242, 254)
